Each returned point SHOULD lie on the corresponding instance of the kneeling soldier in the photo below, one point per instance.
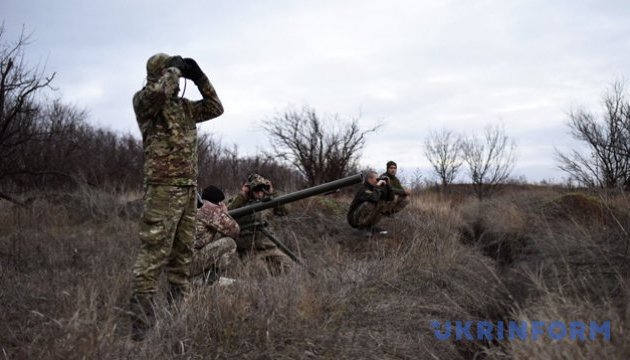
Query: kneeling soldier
(215, 248)
(256, 238)
(369, 203)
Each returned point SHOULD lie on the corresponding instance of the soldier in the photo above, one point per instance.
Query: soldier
(169, 137)
(256, 231)
(400, 193)
(369, 203)
(215, 248)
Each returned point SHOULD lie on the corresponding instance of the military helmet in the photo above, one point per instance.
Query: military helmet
(256, 182)
(156, 65)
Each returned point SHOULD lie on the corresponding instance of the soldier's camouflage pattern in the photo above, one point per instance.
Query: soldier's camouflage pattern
(256, 181)
(167, 226)
(368, 205)
(214, 255)
(251, 239)
(213, 219)
(252, 242)
(168, 124)
(214, 258)
(167, 234)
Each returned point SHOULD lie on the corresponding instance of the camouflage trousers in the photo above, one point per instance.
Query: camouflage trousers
(256, 247)
(167, 233)
(216, 257)
(394, 206)
(367, 214)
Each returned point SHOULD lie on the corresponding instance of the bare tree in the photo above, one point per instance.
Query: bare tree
(489, 159)
(223, 167)
(18, 109)
(606, 163)
(321, 149)
(442, 149)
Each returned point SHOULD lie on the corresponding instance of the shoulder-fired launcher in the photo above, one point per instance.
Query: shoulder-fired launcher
(295, 196)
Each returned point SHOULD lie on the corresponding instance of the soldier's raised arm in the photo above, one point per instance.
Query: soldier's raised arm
(162, 84)
(209, 107)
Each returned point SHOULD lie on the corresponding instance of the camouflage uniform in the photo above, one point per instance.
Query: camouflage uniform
(213, 255)
(169, 137)
(368, 204)
(401, 198)
(252, 240)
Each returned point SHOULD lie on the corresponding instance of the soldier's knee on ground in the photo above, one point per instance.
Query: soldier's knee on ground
(217, 255)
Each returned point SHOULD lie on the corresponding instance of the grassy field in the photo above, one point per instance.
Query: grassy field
(525, 254)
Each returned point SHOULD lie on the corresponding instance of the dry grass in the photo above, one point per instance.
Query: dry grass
(65, 277)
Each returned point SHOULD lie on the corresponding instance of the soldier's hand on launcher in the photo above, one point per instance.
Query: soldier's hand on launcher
(245, 189)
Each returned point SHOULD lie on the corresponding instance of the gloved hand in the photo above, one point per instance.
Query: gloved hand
(178, 62)
(193, 71)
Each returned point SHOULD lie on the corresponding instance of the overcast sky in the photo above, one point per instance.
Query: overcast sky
(412, 65)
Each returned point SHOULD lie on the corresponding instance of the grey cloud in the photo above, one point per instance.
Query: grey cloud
(414, 65)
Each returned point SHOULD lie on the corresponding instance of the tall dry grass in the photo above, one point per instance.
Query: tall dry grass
(65, 278)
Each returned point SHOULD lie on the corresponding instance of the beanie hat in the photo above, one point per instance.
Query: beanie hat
(391, 163)
(213, 194)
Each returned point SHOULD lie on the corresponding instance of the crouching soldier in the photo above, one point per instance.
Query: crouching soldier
(369, 203)
(401, 195)
(214, 248)
(255, 240)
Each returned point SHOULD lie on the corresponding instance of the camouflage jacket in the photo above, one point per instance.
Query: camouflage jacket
(212, 219)
(246, 221)
(397, 187)
(168, 126)
(373, 194)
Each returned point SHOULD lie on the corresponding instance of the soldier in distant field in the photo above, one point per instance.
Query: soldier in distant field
(169, 136)
(215, 248)
(401, 195)
(369, 203)
(256, 229)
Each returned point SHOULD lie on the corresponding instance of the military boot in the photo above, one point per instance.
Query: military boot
(143, 316)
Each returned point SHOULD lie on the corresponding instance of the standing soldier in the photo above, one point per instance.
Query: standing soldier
(369, 203)
(400, 193)
(215, 249)
(256, 231)
(169, 137)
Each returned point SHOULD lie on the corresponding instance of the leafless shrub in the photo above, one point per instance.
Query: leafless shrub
(19, 86)
(222, 166)
(321, 149)
(489, 159)
(442, 149)
(606, 163)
